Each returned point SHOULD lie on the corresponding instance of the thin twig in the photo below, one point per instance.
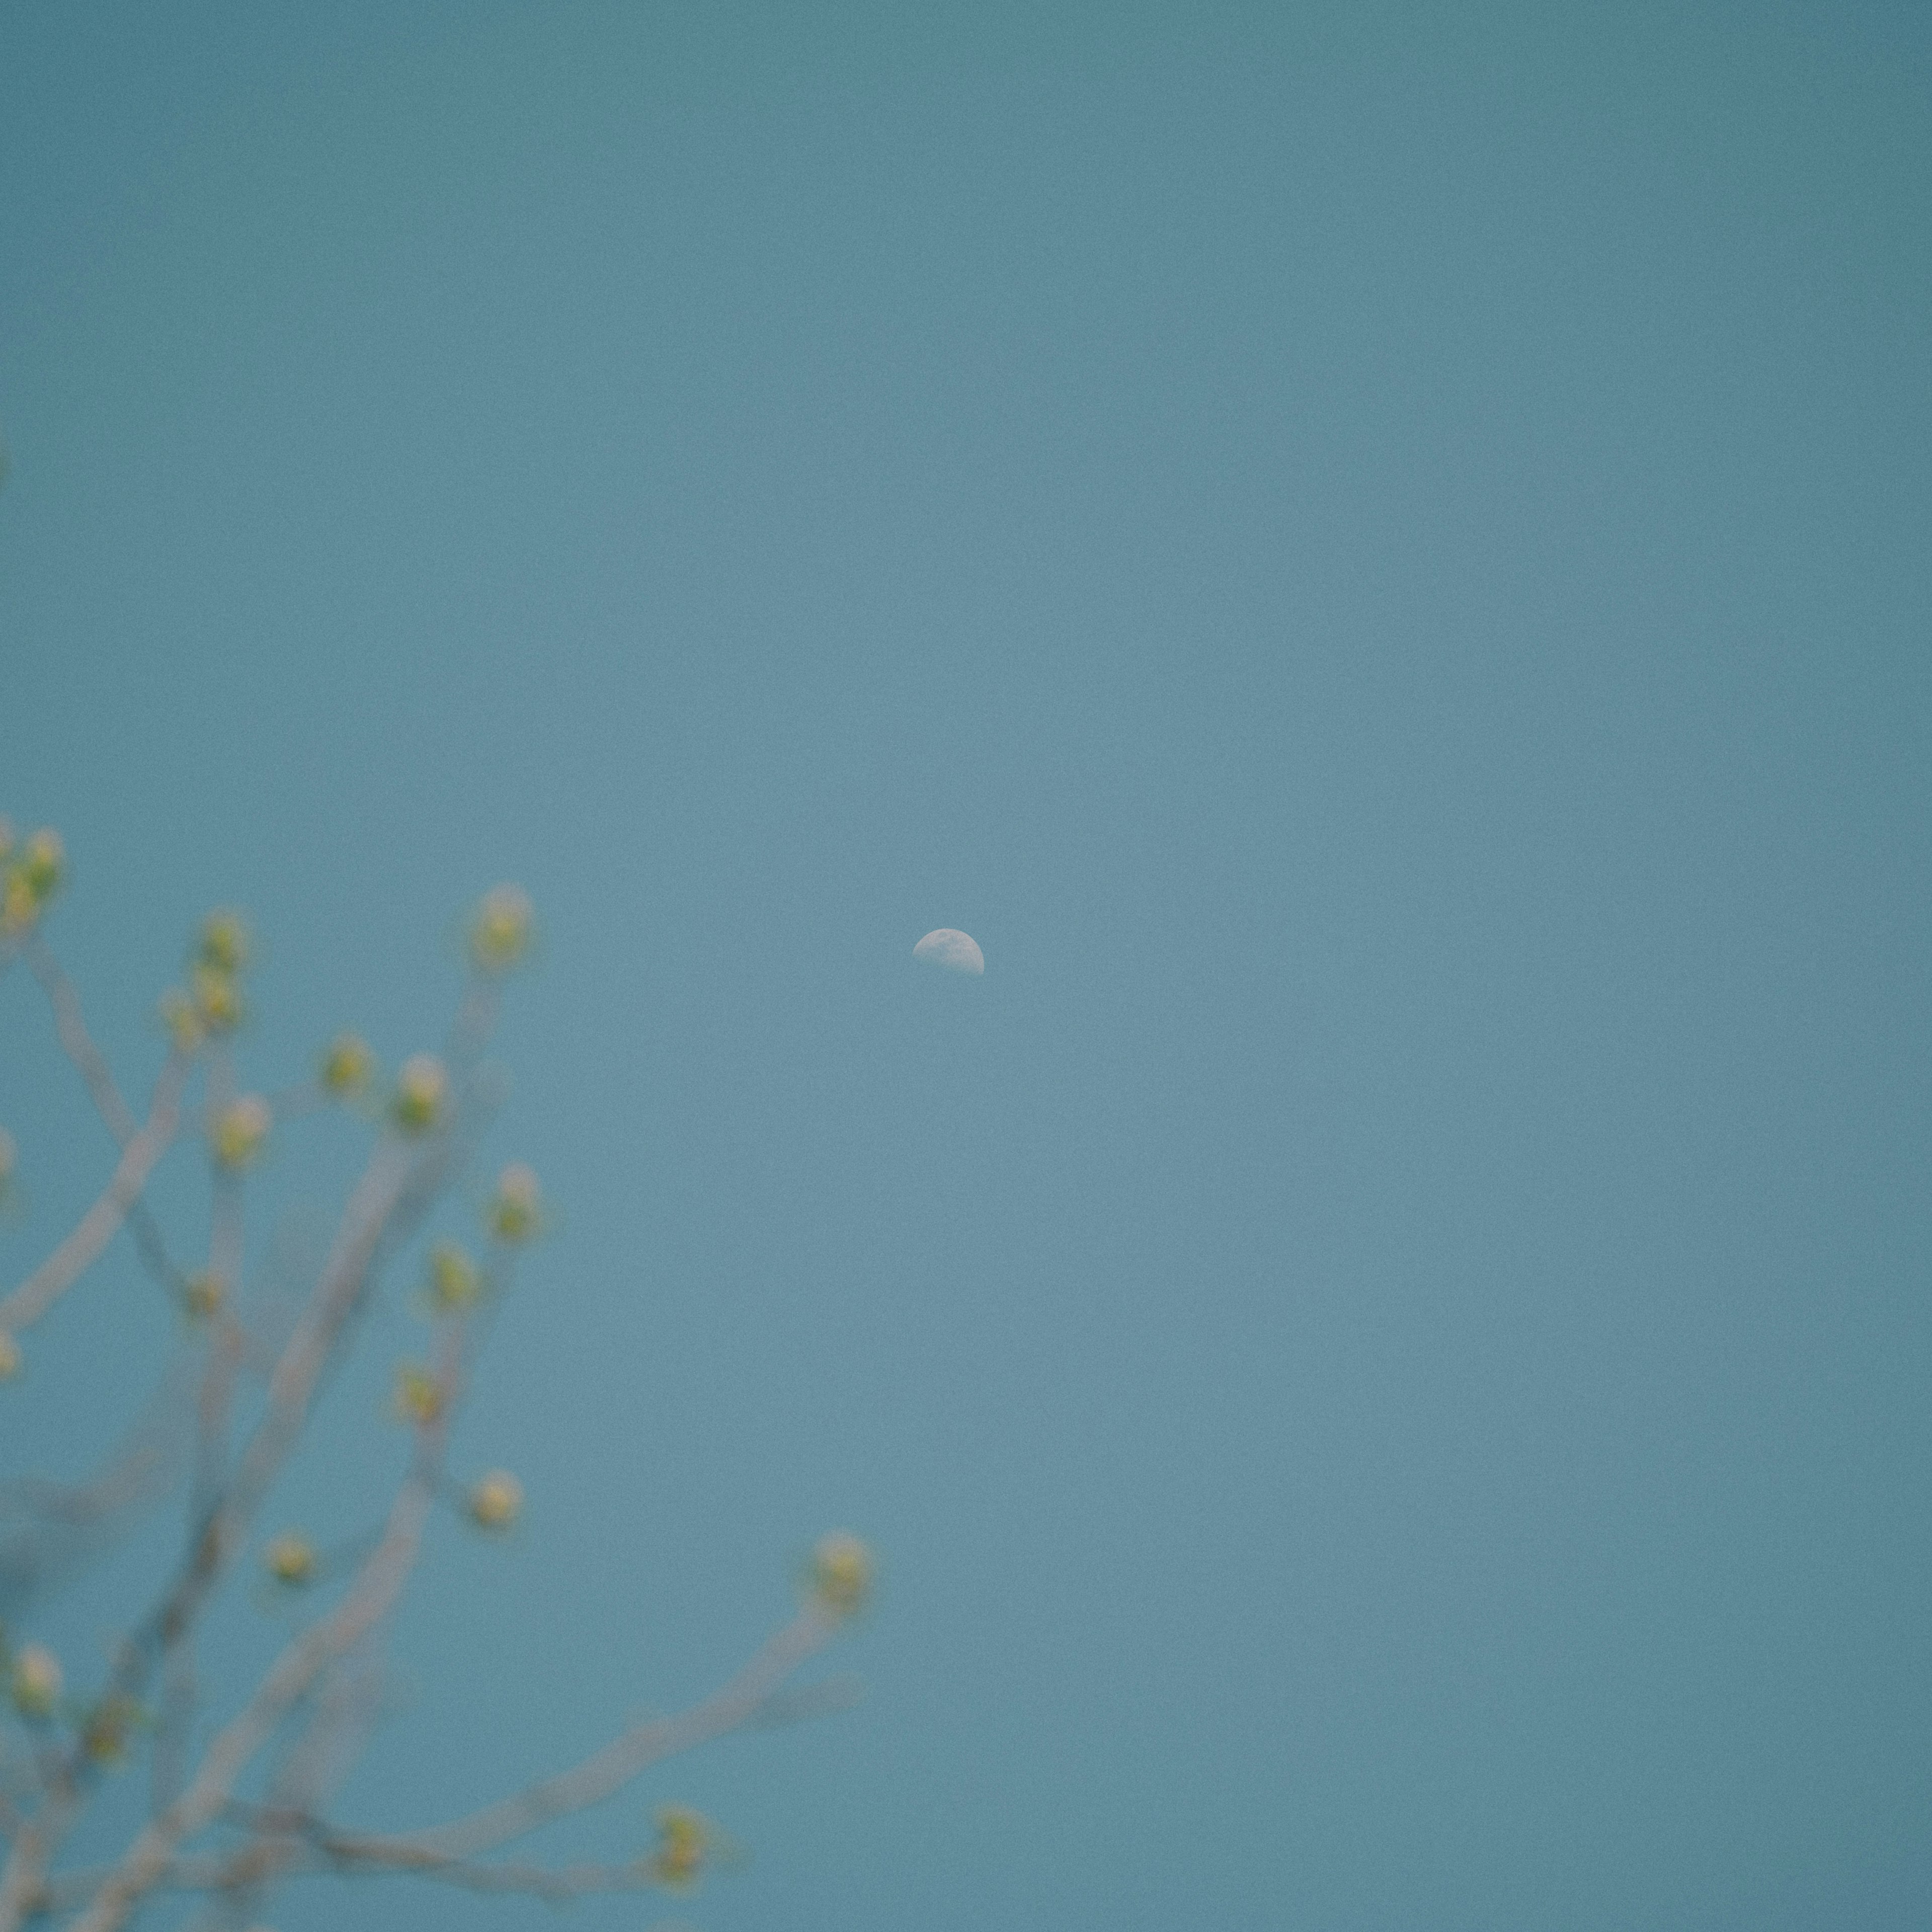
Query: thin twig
(71, 1027)
(607, 1770)
(213, 1409)
(64, 1266)
(47, 1529)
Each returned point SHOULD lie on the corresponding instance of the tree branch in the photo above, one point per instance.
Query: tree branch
(738, 1703)
(96, 1227)
(75, 1041)
(370, 1599)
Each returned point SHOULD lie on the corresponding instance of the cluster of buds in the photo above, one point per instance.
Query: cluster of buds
(495, 1500)
(515, 1212)
(290, 1560)
(454, 1281)
(839, 1577)
(35, 1682)
(687, 1842)
(239, 1132)
(30, 873)
(501, 930)
(212, 1005)
(422, 1094)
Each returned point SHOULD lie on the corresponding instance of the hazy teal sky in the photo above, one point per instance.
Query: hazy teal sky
(1376, 557)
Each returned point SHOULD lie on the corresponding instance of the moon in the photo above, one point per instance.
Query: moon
(957, 951)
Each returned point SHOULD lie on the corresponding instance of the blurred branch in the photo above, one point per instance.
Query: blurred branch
(604, 1771)
(47, 1528)
(369, 1600)
(70, 1029)
(75, 1041)
(396, 1187)
(64, 1266)
(556, 1885)
(310, 1715)
(23, 1889)
(290, 1842)
(289, 1850)
(212, 1411)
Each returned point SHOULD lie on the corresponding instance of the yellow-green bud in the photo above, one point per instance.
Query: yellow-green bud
(104, 1732)
(240, 1132)
(496, 1500)
(422, 1089)
(419, 1396)
(347, 1066)
(17, 909)
(684, 1840)
(43, 863)
(38, 1680)
(454, 1281)
(500, 928)
(10, 1357)
(225, 943)
(217, 994)
(516, 1209)
(840, 1575)
(204, 1296)
(290, 1559)
(33, 876)
(178, 1015)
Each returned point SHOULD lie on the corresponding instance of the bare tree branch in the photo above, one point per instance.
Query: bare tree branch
(47, 1529)
(290, 1842)
(374, 1204)
(317, 1703)
(176, 1717)
(370, 1599)
(605, 1771)
(75, 1041)
(64, 1266)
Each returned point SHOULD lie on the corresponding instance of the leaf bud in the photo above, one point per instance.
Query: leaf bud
(839, 1577)
(347, 1066)
(290, 1559)
(241, 1132)
(204, 1296)
(685, 1841)
(422, 1092)
(501, 928)
(454, 1281)
(218, 1002)
(496, 1500)
(224, 944)
(419, 1396)
(515, 1213)
(36, 1682)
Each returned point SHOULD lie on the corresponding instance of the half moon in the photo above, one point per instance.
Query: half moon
(957, 951)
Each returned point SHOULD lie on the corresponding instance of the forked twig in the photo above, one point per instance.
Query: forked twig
(96, 1227)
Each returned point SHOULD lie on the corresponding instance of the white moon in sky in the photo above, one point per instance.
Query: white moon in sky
(955, 951)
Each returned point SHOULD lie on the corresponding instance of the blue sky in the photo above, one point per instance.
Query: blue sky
(1374, 558)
